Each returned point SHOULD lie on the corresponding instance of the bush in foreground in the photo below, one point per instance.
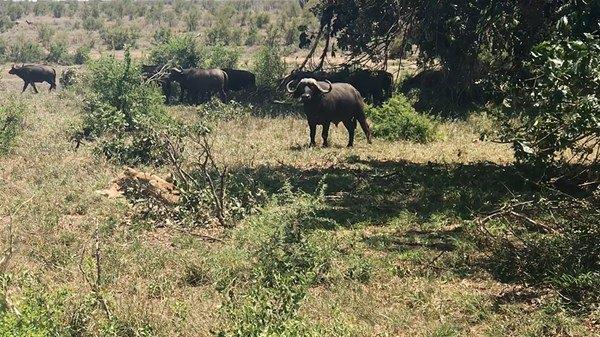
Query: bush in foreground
(398, 120)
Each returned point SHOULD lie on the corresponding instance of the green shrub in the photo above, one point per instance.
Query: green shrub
(82, 55)
(11, 123)
(398, 120)
(37, 314)
(223, 33)
(23, 50)
(269, 66)
(68, 78)
(45, 34)
(567, 260)
(252, 37)
(261, 20)
(192, 18)
(287, 265)
(59, 53)
(126, 115)
(182, 51)
(118, 37)
(557, 112)
(162, 35)
(58, 8)
(15, 11)
(3, 50)
(219, 56)
(92, 23)
(5, 23)
(215, 111)
(41, 8)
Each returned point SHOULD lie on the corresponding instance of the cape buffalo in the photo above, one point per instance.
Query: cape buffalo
(31, 74)
(160, 74)
(240, 79)
(200, 84)
(326, 103)
(375, 86)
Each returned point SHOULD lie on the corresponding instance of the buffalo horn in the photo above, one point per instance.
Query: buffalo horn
(287, 86)
(325, 91)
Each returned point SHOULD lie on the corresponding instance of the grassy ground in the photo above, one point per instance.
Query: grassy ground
(394, 224)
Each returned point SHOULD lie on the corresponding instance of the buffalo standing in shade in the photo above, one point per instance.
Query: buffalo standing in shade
(238, 80)
(326, 103)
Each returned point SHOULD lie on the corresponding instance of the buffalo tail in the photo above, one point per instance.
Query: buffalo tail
(362, 120)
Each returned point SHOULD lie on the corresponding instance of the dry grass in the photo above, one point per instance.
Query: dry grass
(50, 190)
(395, 205)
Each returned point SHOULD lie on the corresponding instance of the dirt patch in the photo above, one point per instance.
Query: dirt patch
(139, 183)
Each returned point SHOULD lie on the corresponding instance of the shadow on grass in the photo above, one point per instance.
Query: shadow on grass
(375, 192)
(423, 207)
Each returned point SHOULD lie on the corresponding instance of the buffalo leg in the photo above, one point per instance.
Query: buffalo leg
(223, 96)
(351, 126)
(34, 88)
(313, 132)
(325, 134)
(52, 86)
(25, 86)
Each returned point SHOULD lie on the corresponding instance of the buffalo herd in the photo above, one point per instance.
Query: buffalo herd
(327, 97)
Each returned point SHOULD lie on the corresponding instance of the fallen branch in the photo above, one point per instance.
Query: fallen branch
(198, 235)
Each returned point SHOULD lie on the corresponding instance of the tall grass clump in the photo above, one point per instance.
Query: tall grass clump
(398, 120)
(11, 123)
(123, 112)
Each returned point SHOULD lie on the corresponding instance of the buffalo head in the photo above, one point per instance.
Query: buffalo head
(14, 70)
(307, 89)
(176, 74)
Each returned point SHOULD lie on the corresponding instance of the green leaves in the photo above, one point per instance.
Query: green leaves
(126, 113)
(398, 120)
(558, 108)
